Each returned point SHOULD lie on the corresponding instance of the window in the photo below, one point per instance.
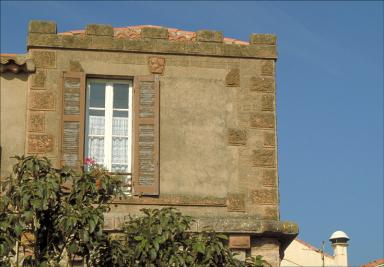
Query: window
(115, 122)
(108, 129)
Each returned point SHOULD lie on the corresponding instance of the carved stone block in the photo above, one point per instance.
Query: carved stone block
(262, 84)
(268, 39)
(237, 137)
(40, 143)
(233, 78)
(99, 29)
(267, 68)
(154, 33)
(269, 139)
(41, 100)
(209, 36)
(264, 158)
(239, 241)
(236, 202)
(40, 26)
(36, 121)
(262, 120)
(268, 102)
(156, 65)
(38, 79)
(271, 213)
(264, 196)
(109, 223)
(44, 59)
(269, 177)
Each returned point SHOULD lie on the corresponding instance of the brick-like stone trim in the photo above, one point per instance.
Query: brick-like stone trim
(90, 42)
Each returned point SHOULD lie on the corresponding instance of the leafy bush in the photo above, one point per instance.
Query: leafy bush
(53, 210)
(57, 214)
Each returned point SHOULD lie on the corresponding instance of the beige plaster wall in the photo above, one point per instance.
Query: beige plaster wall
(13, 97)
(299, 254)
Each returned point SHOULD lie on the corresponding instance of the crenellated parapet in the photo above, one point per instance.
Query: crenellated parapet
(152, 39)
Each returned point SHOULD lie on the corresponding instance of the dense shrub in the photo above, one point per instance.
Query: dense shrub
(58, 214)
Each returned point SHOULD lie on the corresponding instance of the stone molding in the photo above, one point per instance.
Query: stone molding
(16, 64)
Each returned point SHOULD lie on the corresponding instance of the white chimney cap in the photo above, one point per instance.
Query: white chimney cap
(339, 234)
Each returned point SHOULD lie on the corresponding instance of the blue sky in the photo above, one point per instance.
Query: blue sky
(329, 97)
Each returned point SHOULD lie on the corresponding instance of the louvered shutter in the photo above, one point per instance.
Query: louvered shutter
(72, 145)
(146, 135)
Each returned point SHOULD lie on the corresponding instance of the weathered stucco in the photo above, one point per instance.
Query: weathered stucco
(13, 96)
(218, 152)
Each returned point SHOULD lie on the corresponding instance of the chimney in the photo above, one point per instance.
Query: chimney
(339, 242)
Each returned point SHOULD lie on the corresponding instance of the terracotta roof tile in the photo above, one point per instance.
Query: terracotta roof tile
(375, 263)
(134, 32)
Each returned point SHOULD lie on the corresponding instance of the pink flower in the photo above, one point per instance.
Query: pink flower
(89, 161)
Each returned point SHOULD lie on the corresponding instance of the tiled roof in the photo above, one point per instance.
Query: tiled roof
(375, 263)
(133, 33)
(16, 63)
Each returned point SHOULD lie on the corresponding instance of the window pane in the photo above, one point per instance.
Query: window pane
(120, 96)
(96, 123)
(97, 95)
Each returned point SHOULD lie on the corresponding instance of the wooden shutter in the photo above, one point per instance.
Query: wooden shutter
(146, 110)
(72, 141)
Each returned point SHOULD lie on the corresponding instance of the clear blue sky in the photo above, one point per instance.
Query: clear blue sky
(329, 97)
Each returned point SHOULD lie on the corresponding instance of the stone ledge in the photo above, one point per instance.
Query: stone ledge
(92, 42)
(283, 231)
(173, 200)
(16, 64)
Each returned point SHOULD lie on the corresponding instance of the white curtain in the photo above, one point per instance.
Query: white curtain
(120, 144)
(96, 138)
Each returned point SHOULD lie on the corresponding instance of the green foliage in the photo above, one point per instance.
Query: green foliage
(162, 238)
(58, 213)
(56, 210)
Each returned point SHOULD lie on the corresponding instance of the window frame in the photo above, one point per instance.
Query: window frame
(108, 122)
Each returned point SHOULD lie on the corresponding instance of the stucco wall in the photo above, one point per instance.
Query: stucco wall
(13, 96)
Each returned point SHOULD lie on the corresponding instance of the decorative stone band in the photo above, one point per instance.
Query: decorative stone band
(16, 63)
(174, 200)
(283, 231)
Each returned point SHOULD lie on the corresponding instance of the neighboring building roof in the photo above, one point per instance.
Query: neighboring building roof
(375, 263)
(133, 33)
(16, 63)
(309, 246)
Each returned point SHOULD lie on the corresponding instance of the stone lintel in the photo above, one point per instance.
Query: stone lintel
(99, 29)
(42, 26)
(147, 45)
(209, 36)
